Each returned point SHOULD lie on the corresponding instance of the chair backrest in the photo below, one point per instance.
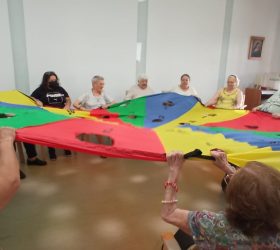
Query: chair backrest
(253, 98)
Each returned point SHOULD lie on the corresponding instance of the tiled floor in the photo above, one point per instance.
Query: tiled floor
(85, 202)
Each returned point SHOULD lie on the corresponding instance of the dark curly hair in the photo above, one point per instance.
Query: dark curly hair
(253, 197)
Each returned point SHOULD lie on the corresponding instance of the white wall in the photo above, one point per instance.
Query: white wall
(275, 62)
(185, 37)
(7, 80)
(254, 18)
(81, 38)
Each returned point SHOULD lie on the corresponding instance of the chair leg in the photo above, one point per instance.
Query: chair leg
(20, 152)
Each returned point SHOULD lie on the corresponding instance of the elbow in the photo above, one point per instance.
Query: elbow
(11, 187)
(76, 105)
(14, 184)
(165, 217)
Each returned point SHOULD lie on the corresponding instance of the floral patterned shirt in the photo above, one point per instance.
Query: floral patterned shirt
(212, 231)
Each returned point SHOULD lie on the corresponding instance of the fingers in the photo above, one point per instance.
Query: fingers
(175, 154)
(276, 115)
(175, 159)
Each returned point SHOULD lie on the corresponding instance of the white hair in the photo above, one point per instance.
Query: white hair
(96, 78)
(237, 80)
(142, 77)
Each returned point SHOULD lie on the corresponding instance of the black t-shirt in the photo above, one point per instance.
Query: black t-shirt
(51, 97)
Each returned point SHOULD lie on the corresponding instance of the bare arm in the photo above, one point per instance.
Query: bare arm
(77, 104)
(256, 108)
(221, 162)
(214, 99)
(68, 103)
(37, 102)
(170, 212)
(9, 166)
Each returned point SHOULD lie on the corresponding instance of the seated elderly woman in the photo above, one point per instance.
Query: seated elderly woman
(140, 89)
(230, 97)
(96, 98)
(251, 219)
(184, 87)
(272, 105)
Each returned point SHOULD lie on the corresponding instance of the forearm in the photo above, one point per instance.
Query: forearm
(170, 211)
(67, 103)
(239, 100)
(169, 203)
(211, 102)
(9, 171)
(78, 105)
(230, 170)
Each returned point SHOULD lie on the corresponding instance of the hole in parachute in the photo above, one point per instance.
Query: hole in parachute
(6, 115)
(168, 104)
(96, 139)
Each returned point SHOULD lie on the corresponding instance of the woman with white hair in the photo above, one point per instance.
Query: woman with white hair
(96, 98)
(140, 89)
(230, 97)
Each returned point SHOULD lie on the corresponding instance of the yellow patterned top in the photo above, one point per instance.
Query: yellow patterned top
(227, 100)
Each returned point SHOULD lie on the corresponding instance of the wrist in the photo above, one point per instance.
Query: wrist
(173, 175)
(230, 170)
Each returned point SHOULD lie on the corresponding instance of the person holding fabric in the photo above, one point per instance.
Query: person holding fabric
(48, 94)
(9, 166)
(272, 105)
(251, 219)
(140, 89)
(184, 88)
(230, 97)
(96, 98)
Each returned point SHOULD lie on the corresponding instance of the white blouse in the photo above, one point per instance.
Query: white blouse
(89, 101)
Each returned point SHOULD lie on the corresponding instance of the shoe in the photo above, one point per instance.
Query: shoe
(53, 157)
(67, 153)
(37, 162)
(22, 175)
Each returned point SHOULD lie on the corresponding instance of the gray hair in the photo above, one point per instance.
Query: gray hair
(96, 78)
(142, 77)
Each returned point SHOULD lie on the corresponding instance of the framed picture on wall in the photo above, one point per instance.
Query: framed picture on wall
(255, 48)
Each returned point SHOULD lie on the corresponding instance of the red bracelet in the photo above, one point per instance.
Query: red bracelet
(171, 184)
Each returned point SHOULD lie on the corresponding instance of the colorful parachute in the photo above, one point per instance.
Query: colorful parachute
(148, 127)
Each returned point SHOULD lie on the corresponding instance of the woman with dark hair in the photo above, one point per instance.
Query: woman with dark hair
(49, 94)
(184, 87)
(251, 219)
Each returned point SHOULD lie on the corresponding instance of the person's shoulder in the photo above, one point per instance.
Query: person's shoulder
(206, 215)
(239, 90)
(85, 95)
(206, 222)
(133, 87)
(175, 88)
(150, 89)
(38, 91)
(61, 88)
